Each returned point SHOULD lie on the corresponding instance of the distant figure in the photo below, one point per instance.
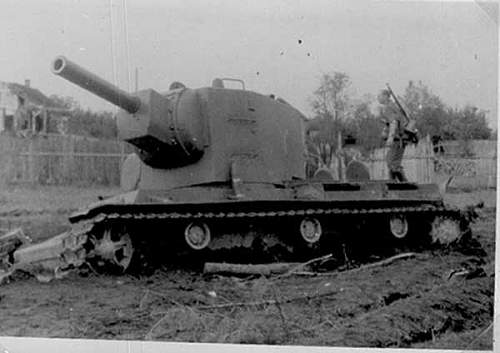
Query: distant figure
(22, 118)
(437, 144)
(398, 133)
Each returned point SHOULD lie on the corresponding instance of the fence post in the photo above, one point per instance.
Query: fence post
(65, 176)
(71, 159)
(31, 162)
(491, 173)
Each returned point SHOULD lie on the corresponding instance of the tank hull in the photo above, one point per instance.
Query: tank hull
(255, 197)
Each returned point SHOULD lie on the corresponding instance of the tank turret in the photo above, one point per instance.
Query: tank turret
(148, 120)
(206, 135)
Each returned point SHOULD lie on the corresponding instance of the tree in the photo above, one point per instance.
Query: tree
(365, 127)
(468, 123)
(434, 118)
(427, 109)
(94, 124)
(64, 102)
(84, 121)
(331, 99)
(331, 107)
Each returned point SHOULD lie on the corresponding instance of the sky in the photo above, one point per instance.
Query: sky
(280, 46)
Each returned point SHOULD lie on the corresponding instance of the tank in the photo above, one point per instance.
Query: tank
(221, 172)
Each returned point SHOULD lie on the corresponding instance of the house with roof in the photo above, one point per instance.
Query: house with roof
(24, 108)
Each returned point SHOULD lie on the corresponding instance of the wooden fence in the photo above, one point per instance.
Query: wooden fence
(472, 164)
(418, 163)
(61, 160)
(76, 160)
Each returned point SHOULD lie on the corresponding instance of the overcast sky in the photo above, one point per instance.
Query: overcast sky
(278, 46)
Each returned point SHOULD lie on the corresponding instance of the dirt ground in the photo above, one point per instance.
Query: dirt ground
(409, 303)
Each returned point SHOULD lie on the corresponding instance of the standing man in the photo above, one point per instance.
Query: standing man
(399, 131)
(22, 118)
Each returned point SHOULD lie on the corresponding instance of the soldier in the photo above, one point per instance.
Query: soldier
(22, 118)
(399, 131)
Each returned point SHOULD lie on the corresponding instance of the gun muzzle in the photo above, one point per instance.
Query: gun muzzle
(93, 83)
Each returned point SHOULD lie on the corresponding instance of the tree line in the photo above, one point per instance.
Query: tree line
(340, 118)
(337, 114)
(85, 122)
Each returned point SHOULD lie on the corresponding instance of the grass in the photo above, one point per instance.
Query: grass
(49, 198)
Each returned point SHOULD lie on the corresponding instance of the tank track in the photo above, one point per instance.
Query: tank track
(83, 231)
(443, 210)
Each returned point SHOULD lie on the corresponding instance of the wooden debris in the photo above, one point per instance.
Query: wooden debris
(300, 268)
(381, 263)
(50, 259)
(282, 269)
(12, 240)
(9, 243)
(247, 269)
(384, 262)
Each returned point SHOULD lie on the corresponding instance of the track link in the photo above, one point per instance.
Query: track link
(441, 210)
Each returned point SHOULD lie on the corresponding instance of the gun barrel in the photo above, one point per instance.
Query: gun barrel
(93, 83)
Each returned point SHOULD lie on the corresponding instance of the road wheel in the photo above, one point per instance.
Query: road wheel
(398, 225)
(310, 230)
(197, 235)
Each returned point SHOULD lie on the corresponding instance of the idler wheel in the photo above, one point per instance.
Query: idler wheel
(398, 226)
(445, 230)
(115, 248)
(197, 235)
(310, 229)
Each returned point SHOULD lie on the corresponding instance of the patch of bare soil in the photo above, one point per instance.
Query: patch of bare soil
(415, 302)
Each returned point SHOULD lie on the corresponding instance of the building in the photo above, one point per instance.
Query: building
(24, 108)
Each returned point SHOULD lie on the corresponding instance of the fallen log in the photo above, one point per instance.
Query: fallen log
(282, 269)
(381, 263)
(247, 269)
